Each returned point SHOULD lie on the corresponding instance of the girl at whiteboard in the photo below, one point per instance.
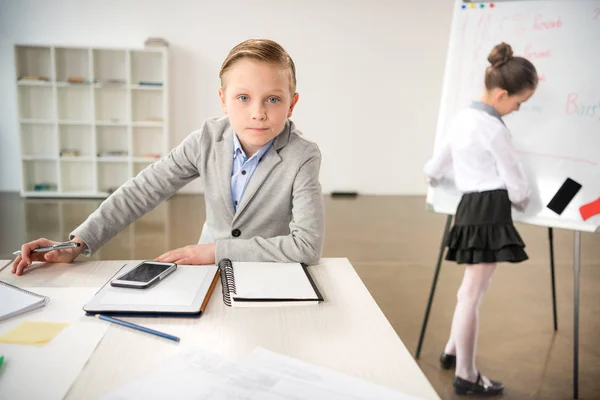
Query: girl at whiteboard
(488, 173)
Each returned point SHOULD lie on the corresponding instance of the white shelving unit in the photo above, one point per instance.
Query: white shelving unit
(89, 118)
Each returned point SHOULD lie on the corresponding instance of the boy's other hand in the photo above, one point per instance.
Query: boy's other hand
(197, 254)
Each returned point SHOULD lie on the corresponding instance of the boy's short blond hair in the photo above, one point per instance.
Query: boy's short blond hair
(264, 50)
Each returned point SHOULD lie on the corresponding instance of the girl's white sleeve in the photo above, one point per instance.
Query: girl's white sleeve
(436, 167)
(510, 169)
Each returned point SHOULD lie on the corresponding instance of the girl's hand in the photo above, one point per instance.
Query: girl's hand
(26, 257)
(197, 254)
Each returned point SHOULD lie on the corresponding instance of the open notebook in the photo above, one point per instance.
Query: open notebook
(267, 284)
(16, 301)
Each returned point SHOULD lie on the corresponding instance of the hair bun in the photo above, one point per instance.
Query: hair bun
(500, 55)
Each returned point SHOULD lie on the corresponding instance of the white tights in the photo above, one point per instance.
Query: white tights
(463, 335)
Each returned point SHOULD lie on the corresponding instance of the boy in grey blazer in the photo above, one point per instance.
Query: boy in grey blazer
(260, 176)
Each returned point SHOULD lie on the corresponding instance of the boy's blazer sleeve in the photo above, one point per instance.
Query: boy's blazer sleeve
(142, 193)
(305, 241)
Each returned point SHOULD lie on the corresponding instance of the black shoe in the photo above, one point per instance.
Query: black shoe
(447, 361)
(463, 387)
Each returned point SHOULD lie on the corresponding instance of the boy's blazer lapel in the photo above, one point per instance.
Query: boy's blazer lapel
(264, 168)
(224, 156)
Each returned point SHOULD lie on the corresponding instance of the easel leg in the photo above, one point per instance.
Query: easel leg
(433, 284)
(551, 243)
(576, 270)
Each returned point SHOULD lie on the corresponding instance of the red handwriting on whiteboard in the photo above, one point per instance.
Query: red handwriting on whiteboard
(542, 78)
(580, 108)
(596, 13)
(540, 23)
(531, 54)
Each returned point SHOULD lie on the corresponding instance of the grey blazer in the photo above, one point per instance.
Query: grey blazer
(280, 217)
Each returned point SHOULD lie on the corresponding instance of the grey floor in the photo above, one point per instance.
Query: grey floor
(393, 243)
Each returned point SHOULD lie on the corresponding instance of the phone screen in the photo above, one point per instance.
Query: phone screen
(145, 272)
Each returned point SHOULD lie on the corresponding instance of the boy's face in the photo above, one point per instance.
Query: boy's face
(256, 96)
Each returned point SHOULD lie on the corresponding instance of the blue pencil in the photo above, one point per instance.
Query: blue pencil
(138, 327)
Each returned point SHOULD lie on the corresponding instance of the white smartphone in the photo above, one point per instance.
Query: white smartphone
(144, 275)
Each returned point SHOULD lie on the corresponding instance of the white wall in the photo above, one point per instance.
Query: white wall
(369, 72)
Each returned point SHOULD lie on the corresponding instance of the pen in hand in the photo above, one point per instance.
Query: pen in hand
(58, 246)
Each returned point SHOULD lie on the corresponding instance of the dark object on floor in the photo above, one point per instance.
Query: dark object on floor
(344, 194)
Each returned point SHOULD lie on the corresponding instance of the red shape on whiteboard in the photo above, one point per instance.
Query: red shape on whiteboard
(590, 209)
(491, 5)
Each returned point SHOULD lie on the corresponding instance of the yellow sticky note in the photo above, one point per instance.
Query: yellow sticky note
(33, 332)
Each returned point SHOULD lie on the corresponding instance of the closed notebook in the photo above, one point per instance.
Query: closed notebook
(16, 301)
(186, 291)
(267, 284)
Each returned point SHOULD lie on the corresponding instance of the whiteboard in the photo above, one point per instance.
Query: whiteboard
(557, 132)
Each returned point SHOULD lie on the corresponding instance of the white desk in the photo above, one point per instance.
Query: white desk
(347, 333)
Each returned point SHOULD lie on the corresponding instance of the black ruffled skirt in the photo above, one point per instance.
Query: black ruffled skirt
(483, 230)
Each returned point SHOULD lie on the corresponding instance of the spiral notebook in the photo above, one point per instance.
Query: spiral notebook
(16, 301)
(267, 284)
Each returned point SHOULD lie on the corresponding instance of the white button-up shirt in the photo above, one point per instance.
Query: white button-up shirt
(479, 147)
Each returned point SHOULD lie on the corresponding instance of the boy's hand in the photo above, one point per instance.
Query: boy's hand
(26, 257)
(197, 254)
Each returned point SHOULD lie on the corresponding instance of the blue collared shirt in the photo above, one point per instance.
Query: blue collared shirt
(243, 168)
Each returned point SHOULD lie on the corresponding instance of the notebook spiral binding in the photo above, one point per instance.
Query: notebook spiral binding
(227, 280)
(40, 296)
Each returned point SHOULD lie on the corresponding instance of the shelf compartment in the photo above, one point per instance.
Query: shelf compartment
(146, 67)
(111, 139)
(72, 65)
(147, 107)
(36, 102)
(111, 105)
(40, 173)
(110, 67)
(33, 61)
(147, 142)
(75, 141)
(74, 103)
(77, 176)
(38, 140)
